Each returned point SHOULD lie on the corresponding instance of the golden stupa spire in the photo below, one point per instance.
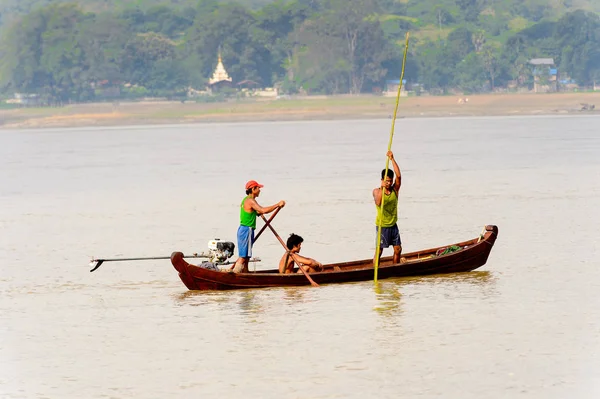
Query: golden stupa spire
(220, 74)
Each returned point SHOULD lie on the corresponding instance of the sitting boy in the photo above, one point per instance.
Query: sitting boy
(286, 264)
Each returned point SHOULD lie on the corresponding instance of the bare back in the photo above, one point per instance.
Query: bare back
(286, 264)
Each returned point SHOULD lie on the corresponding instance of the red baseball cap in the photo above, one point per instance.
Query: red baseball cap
(252, 184)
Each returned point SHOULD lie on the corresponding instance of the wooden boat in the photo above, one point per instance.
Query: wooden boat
(471, 255)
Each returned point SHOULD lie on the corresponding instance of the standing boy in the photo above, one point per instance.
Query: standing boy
(390, 235)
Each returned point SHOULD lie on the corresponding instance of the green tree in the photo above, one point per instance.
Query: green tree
(63, 58)
(443, 16)
(102, 39)
(21, 52)
(437, 65)
(491, 64)
(149, 60)
(318, 63)
(578, 36)
(469, 9)
(343, 49)
(276, 22)
(459, 44)
(44, 55)
(470, 75)
(232, 30)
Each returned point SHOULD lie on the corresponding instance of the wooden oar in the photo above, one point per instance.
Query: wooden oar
(312, 282)
(99, 262)
(261, 230)
(265, 226)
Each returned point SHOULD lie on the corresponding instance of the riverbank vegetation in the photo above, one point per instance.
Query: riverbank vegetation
(92, 50)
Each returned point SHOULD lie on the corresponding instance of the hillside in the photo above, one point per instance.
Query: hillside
(427, 16)
(11, 9)
(64, 52)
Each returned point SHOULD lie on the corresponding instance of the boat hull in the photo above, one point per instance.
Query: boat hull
(474, 254)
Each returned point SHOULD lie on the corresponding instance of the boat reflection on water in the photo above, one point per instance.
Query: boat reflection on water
(482, 278)
(388, 293)
(293, 295)
(388, 297)
(248, 303)
(199, 298)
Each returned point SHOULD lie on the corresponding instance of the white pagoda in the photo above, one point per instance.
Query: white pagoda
(220, 74)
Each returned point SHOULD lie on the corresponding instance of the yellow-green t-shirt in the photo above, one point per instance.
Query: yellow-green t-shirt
(390, 210)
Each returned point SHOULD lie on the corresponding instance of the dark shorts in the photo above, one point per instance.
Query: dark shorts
(245, 239)
(389, 236)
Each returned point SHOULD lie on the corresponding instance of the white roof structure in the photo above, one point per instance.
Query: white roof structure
(220, 74)
(541, 61)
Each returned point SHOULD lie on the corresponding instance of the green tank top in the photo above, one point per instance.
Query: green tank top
(390, 210)
(247, 218)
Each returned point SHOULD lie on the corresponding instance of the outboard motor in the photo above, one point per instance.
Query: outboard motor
(219, 251)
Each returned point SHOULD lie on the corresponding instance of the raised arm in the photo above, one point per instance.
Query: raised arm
(398, 181)
(377, 196)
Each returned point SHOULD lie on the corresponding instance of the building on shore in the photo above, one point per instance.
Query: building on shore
(391, 88)
(25, 100)
(220, 78)
(545, 75)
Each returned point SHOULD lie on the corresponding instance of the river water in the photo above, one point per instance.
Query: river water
(527, 324)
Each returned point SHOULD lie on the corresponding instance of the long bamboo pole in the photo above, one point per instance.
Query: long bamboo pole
(387, 162)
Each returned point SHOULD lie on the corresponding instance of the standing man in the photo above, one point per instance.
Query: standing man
(389, 214)
(249, 209)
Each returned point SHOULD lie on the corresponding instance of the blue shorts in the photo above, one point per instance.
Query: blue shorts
(389, 236)
(245, 239)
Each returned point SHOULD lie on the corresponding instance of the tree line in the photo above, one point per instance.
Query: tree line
(65, 53)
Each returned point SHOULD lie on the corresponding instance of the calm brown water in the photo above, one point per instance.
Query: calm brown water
(526, 325)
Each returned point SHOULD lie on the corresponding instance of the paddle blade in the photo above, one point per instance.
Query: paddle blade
(97, 264)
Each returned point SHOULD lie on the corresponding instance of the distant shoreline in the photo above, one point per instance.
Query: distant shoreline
(298, 109)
